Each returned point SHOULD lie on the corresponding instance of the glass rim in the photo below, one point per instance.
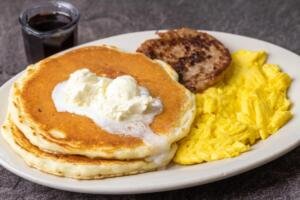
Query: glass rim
(59, 4)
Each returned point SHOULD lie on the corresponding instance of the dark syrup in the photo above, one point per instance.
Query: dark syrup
(52, 35)
(48, 22)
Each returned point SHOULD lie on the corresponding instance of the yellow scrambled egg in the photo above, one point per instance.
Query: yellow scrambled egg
(248, 105)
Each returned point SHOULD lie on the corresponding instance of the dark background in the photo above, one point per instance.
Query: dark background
(274, 21)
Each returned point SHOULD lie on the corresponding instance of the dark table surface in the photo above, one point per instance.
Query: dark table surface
(275, 21)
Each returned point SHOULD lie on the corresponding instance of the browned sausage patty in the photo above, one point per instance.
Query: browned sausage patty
(197, 57)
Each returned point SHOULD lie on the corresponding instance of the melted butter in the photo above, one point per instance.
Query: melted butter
(119, 106)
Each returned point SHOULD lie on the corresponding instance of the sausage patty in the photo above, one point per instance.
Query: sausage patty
(197, 57)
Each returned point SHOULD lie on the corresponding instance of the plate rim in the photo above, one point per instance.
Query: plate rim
(238, 170)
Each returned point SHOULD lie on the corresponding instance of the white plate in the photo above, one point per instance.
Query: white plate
(176, 177)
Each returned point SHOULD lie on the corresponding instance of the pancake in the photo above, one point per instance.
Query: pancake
(34, 113)
(72, 166)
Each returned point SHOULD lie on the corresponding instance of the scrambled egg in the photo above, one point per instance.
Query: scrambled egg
(248, 105)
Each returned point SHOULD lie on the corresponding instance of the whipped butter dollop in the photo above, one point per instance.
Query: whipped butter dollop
(119, 106)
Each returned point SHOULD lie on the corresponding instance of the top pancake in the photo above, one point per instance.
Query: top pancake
(35, 114)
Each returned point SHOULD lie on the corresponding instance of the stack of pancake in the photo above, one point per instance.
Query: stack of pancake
(70, 145)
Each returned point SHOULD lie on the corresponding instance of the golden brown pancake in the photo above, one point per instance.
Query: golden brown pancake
(73, 166)
(34, 111)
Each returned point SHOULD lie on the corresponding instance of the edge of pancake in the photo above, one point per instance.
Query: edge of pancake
(38, 137)
(44, 141)
(78, 167)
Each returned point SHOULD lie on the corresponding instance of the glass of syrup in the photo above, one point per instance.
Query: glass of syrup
(48, 28)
